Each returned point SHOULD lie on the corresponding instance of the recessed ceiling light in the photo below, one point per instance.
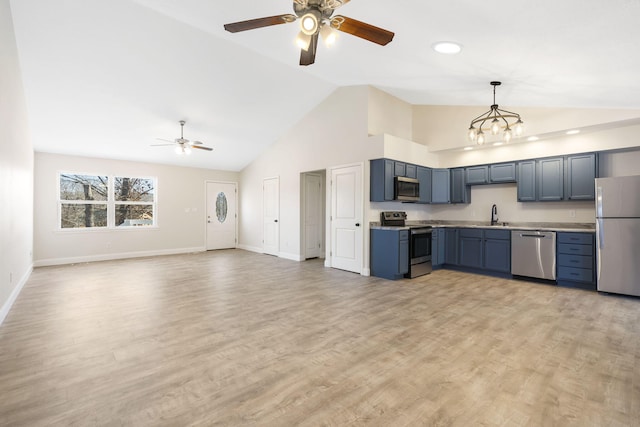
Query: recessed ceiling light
(573, 132)
(498, 143)
(532, 138)
(468, 148)
(448, 48)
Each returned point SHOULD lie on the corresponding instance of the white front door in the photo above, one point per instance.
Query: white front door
(271, 216)
(346, 218)
(313, 215)
(221, 215)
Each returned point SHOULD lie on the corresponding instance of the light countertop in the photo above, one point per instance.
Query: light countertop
(542, 226)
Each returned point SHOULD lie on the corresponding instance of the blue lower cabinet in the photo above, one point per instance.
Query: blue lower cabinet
(497, 250)
(478, 249)
(576, 260)
(389, 253)
(438, 245)
(470, 247)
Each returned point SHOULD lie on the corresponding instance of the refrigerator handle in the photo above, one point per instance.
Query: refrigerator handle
(598, 201)
(600, 233)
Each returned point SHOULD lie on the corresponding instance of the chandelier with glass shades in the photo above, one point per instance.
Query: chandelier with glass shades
(496, 120)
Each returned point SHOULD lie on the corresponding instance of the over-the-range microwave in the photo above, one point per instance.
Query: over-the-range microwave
(406, 189)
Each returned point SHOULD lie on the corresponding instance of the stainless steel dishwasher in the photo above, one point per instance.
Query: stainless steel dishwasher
(533, 254)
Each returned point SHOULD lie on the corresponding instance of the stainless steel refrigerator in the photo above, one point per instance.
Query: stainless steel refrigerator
(618, 234)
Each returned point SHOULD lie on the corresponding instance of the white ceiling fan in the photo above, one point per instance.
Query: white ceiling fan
(183, 146)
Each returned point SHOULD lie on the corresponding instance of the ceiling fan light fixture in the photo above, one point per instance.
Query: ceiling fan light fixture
(303, 40)
(310, 22)
(447, 48)
(328, 34)
(513, 124)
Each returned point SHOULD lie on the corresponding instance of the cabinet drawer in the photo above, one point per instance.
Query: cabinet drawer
(579, 261)
(570, 248)
(497, 234)
(577, 274)
(581, 238)
(471, 232)
(404, 234)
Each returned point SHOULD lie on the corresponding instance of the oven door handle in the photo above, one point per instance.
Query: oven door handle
(421, 231)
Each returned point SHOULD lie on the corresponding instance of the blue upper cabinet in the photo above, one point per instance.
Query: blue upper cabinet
(411, 171)
(400, 169)
(440, 186)
(502, 172)
(550, 179)
(381, 180)
(424, 179)
(460, 192)
(477, 175)
(581, 174)
(526, 177)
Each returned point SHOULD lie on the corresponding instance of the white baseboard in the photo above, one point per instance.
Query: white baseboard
(14, 295)
(251, 248)
(109, 257)
(292, 257)
(366, 272)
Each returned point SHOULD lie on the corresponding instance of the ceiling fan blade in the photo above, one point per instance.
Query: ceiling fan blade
(202, 147)
(195, 143)
(161, 145)
(259, 23)
(308, 57)
(165, 140)
(362, 30)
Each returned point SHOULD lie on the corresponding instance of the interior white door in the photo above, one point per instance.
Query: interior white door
(312, 215)
(346, 218)
(271, 216)
(221, 215)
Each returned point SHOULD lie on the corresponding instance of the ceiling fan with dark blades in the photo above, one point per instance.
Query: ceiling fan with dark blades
(316, 19)
(183, 146)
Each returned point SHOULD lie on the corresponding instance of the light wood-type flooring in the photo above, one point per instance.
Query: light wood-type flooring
(237, 338)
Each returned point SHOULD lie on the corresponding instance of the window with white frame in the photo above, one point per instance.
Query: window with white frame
(100, 201)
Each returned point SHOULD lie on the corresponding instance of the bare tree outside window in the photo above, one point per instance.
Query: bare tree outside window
(90, 201)
(134, 201)
(85, 199)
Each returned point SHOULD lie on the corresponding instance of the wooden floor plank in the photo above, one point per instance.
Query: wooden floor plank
(238, 338)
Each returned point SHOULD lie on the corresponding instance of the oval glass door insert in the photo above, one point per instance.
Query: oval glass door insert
(221, 207)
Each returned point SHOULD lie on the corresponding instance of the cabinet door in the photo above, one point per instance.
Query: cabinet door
(440, 186)
(497, 255)
(550, 179)
(403, 253)
(400, 169)
(424, 179)
(526, 181)
(381, 180)
(460, 193)
(389, 253)
(476, 175)
(451, 246)
(502, 172)
(410, 171)
(435, 239)
(581, 175)
(470, 248)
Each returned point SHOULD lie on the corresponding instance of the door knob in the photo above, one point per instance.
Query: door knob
(275, 220)
(357, 224)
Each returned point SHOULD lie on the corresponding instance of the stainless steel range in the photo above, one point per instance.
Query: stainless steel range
(419, 242)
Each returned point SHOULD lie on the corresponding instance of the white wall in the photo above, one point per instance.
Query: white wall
(181, 201)
(334, 133)
(16, 171)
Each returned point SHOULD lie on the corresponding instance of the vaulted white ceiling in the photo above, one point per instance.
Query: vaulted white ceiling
(106, 78)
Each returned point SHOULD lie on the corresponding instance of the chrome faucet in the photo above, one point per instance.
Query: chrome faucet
(494, 215)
